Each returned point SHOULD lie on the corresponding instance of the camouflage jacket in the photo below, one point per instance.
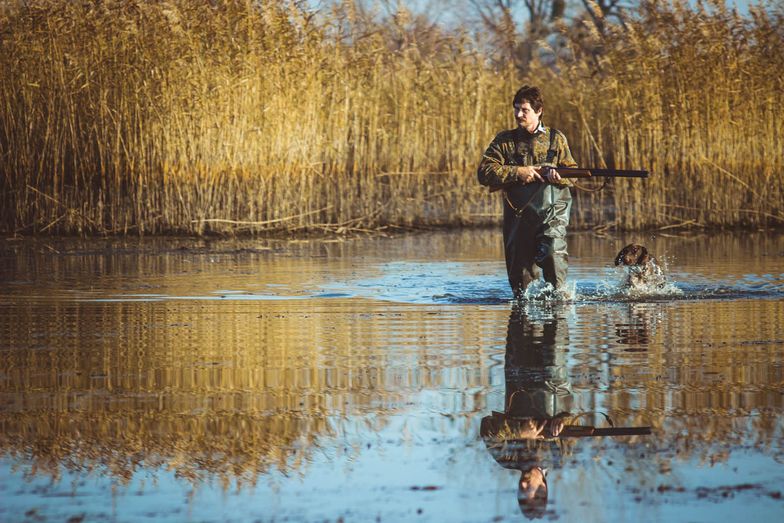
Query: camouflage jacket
(516, 147)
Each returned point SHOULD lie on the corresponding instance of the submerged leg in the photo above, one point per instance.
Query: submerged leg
(551, 254)
(519, 251)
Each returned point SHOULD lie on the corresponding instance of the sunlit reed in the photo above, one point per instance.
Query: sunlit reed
(692, 94)
(177, 117)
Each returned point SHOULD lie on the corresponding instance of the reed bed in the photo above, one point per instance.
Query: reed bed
(695, 95)
(173, 117)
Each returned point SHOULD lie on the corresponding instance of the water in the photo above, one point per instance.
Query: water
(323, 380)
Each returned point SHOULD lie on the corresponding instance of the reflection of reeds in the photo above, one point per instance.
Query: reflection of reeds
(175, 116)
(226, 390)
(236, 447)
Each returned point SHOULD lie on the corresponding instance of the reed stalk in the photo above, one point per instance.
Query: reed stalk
(179, 117)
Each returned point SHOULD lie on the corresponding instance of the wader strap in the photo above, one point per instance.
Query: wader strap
(519, 210)
(551, 152)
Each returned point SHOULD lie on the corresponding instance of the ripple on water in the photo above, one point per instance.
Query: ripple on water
(360, 385)
(468, 284)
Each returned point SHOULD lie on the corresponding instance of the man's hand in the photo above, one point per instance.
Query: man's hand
(556, 427)
(531, 429)
(527, 174)
(540, 429)
(551, 175)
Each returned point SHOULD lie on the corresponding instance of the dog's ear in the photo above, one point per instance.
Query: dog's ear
(644, 257)
(626, 255)
(621, 257)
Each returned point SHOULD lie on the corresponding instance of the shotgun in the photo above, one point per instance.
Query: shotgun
(498, 422)
(586, 431)
(580, 172)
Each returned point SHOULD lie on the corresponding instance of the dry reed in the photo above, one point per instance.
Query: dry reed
(694, 94)
(128, 117)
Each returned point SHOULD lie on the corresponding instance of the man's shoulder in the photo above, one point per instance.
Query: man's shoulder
(559, 135)
(507, 135)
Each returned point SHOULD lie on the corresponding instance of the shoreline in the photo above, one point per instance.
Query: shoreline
(678, 229)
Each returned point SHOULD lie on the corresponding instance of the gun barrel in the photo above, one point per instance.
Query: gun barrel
(577, 172)
(579, 431)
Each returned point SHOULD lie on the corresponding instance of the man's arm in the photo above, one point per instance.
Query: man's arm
(563, 159)
(494, 171)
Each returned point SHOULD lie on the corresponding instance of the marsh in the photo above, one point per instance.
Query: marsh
(328, 379)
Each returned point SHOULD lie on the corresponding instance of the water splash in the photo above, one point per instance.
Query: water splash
(542, 291)
(631, 283)
(464, 283)
(621, 283)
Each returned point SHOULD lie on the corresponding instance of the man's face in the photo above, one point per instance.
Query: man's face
(530, 483)
(526, 117)
(532, 493)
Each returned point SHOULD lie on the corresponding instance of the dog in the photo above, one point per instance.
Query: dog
(643, 269)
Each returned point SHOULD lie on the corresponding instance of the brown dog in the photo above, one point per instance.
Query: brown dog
(633, 254)
(643, 269)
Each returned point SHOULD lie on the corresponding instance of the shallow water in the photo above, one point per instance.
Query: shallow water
(324, 380)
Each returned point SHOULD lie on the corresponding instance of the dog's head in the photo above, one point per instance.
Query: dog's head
(633, 254)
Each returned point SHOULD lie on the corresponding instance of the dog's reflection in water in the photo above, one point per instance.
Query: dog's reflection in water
(643, 272)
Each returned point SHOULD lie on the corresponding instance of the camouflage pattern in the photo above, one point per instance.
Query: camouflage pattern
(536, 214)
(537, 388)
(516, 147)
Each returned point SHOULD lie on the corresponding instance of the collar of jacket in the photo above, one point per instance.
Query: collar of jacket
(538, 130)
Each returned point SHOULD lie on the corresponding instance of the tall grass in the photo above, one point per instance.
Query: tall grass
(696, 96)
(185, 118)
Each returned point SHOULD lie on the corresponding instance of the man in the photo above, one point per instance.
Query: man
(538, 400)
(536, 203)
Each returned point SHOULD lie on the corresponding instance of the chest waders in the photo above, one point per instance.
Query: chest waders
(535, 219)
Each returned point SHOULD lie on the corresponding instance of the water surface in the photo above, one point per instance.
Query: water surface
(348, 379)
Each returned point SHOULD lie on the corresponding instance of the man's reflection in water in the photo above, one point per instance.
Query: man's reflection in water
(538, 398)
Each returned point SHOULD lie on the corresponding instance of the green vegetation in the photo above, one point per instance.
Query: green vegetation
(179, 117)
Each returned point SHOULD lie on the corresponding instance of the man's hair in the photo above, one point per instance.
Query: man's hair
(530, 94)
